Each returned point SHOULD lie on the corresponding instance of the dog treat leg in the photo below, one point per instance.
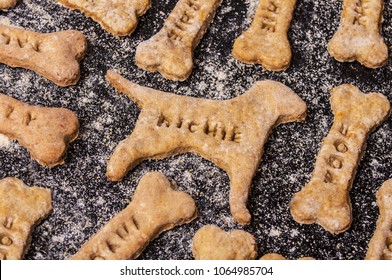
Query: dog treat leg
(44, 132)
(212, 243)
(358, 36)
(229, 133)
(380, 246)
(325, 199)
(265, 42)
(7, 4)
(21, 209)
(55, 56)
(155, 208)
(119, 17)
(170, 51)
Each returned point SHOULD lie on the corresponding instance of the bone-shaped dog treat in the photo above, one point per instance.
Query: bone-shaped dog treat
(7, 4)
(155, 208)
(55, 55)
(44, 132)
(170, 51)
(265, 42)
(229, 133)
(212, 243)
(380, 246)
(119, 17)
(21, 208)
(325, 199)
(358, 36)
(278, 257)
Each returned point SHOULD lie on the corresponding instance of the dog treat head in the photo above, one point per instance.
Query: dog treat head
(325, 199)
(21, 208)
(155, 207)
(212, 243)
(358, 36)
(170, 51)
(45, 132)
(380, 246)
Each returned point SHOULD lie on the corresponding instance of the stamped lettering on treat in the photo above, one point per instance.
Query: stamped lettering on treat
(44, 132)
(7, 4)
(229, 133)
(21, 208)
(325, 199)
(212, 243)
(55, 56)
(265, 42)
(358, 36)
(170, 51)
(380, 246)
(155, 207)
(119, 17)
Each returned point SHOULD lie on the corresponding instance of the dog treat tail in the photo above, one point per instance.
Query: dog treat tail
(140, 95)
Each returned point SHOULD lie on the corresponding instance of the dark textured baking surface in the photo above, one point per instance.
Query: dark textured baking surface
(84, 200)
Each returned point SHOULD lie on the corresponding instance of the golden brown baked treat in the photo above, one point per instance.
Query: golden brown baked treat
(170, 51)
(155, 208)
(358, 36)
(55, 56)
(44, 132)
(229, 133)
(380, 246)
(119, 17)
(212, 243)
(278, 257)
(325, 199)
(265, 42)
(21, 209)
(7, 4)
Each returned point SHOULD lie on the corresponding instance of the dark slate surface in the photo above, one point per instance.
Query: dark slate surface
(84, 200)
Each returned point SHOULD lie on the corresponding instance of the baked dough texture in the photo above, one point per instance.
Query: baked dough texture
(155, 207)
(358, 36)
(119, 17)
(55, 56)
(21, 209)
(325, 199)
(229, 133)
(212, 243)
(44, 132)
(380, 246)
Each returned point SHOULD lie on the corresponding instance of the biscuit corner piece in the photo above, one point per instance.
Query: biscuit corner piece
(325, 199)
(212, 243)
(56, 56)
(358, 36)
(21, 208)
(155, 207)
(266, 42)
(7, 4)
(380, 246)
(230, 133)
(118, 17)
(44, 132)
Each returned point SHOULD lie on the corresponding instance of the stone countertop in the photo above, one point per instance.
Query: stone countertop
(83, 198)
